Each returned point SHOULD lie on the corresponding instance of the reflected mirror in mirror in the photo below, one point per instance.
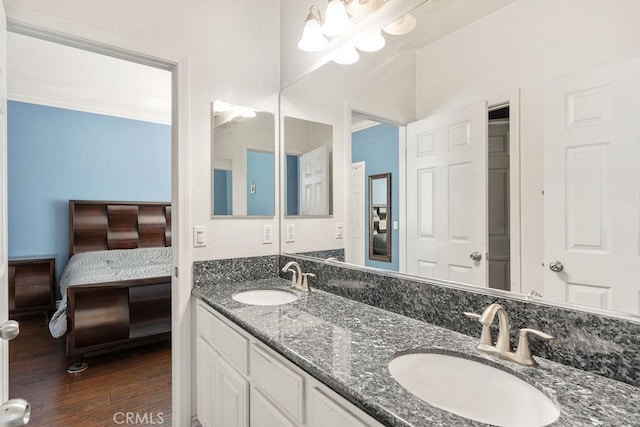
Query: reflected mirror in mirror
(380, 217)
(520, 163)
(308, 150)
(243, 166)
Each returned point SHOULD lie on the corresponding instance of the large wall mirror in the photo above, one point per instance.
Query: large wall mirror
(380, 217)
(308, 148)
(243, 163)
(518, 155)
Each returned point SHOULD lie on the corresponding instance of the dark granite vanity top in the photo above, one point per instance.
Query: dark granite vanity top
(347, 345)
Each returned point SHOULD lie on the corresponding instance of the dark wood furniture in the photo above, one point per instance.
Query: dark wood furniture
(32, 284)
(111, 316)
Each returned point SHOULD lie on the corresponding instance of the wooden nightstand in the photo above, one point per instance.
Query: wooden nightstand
(31, 284)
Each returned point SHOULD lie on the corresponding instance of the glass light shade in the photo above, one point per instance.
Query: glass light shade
(336, 20)
(245, 112)
(312, 38)
(371, 42)
(358, 9)
(403, 25)
(346, 56)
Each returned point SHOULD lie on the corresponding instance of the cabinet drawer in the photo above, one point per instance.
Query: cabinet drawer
(324, 411)
(227, 342)
(279, 383)
(264, 414)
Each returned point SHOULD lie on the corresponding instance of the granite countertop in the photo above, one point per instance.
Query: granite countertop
(347, 345)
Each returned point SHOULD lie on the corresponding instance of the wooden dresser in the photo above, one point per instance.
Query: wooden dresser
(31, 284)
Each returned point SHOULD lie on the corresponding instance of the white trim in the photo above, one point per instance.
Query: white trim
(512, 99)
(402, 199)
(362, 125)
(89, 107)
(72, 34)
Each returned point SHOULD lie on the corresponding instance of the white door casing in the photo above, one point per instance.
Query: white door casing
(4, 289)
(592, 187)
(314, 182)
(357, 214)
(446, 195)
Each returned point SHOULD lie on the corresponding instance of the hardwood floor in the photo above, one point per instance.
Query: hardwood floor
(135, 381)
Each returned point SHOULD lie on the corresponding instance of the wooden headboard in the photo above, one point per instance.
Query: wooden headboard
(105, 225)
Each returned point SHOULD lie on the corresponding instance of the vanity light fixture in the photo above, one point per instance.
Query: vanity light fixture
(313, 40)
(221, 107)
(360, 8)
(347, 55)
(372, 42)
(336, 21)
(403, 25)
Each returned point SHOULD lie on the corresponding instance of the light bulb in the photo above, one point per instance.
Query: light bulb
(336, 20)
(403, 25)
(312, 38)
(371, 42)
(346, 56)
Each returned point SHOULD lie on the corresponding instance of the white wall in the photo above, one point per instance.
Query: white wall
(46, 73)
(519, 47)
(233, 48)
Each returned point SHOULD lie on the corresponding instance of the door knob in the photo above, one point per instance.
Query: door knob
(15, 413)
(556, 266)
(476, 256)
(9, 330)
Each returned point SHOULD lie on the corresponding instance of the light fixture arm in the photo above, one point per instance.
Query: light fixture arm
(317, 15)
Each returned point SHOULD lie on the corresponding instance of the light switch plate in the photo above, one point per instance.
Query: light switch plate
(339, 230)
(267, 234)
(395, 225)
(199, 236)
(291, 233)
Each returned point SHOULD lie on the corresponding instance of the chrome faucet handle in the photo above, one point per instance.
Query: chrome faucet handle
(485, 337)
(523, 352)
(305, 284)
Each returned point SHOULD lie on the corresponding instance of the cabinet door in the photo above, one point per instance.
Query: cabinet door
(206, 366)
(323, 411)
(264, 414)
(232, 396)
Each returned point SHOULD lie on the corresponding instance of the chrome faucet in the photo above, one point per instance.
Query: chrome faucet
(502, 347)
(299, 280)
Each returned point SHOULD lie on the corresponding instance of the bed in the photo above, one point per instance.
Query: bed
(116, 287)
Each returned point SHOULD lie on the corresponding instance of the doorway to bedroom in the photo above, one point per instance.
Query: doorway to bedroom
(89, 127)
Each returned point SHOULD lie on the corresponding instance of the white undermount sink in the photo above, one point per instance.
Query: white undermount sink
(473, 390)
(265, 297)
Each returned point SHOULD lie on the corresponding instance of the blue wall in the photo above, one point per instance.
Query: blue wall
(261, 171)
(378, 146)
(292, 185)
(55, 155)
(222, 192)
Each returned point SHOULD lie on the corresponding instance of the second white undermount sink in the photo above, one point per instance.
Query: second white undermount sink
(265, 297)
(473, 390)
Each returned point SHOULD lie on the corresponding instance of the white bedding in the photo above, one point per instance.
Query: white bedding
(108, 266)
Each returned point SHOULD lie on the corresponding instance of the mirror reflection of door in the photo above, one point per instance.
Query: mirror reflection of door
(375, 149)
(308, 163)
(380, 217)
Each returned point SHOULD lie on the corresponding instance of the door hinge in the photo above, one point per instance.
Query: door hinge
(175, 271)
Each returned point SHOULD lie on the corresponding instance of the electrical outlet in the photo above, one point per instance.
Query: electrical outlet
(199, 236)
(339, 230)
(291, 233)
(267, 234)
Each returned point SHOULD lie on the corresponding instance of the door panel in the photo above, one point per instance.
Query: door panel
(4, 292)
(592, 187)
(357, 214)
(446, 204)
(314, 182)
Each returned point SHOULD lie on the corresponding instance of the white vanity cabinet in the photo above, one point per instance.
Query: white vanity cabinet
(241, 382)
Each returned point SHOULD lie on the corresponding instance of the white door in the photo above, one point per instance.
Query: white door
(314, 182)
(357, 215)
(4, 292)
(446, 195)
(591, 189)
